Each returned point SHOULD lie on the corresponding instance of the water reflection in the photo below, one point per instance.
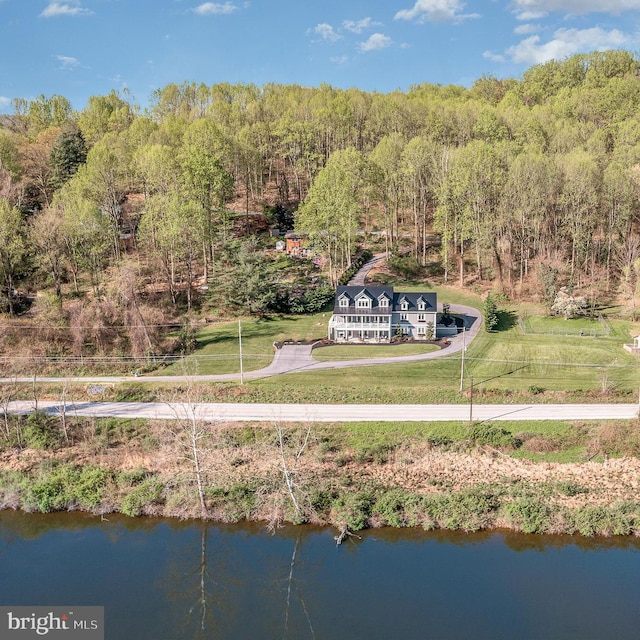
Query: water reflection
(167, 579)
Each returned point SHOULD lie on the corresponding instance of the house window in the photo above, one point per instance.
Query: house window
(404, 317)
(344, 302)
(383, 302)
(422, 331)
(363, 303)
(422, 317)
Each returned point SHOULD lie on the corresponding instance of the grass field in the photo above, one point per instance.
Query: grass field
(583, 327)
(505, 365)
(358, 351)
(218, 349)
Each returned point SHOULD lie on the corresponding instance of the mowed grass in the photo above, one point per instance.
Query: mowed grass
(359, 351)
(218, 349)
(506, 362)
(587, 327)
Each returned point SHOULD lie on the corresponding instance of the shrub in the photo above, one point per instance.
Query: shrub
(48, 495)
(568, 488)
(89, 485)
(439, 440)
(613, 520)
(353, 510)
(529, 515)
(493, 436)
(398, 508)
(67, 487)
(238, 501)
(321, 500)
(378, 453)
(147, 492)
(357, 262)
(41, 431)
(469, 510)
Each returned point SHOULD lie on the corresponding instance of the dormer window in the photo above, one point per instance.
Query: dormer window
(383, 302)
(421, 306)
(343, 302)
(363, 303)
(404, 305)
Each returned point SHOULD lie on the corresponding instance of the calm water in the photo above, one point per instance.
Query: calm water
(160, 579)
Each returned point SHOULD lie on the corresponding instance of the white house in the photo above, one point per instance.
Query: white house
(377, 314)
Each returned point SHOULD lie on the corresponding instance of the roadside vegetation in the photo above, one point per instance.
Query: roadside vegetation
(539, 477)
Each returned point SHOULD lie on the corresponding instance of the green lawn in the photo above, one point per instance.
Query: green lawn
(505, 364)
(219, 350)
(359, 351)
(558, 326)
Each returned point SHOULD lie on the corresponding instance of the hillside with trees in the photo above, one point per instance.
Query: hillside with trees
(116, 222)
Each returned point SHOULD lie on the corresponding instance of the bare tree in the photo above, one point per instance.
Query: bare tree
(189, 432)
(7, 395)
(290, 473)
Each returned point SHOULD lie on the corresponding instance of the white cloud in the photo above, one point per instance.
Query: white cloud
(531, 15)
(326, 32)
(5, 102)
(435, 11)
(68, 62)
(523, 29)
(494, 57)
(54, 9)
(358, 26)
(376, 42)
(566, 42)
(339, 59)
(578, 6)
(214, 8)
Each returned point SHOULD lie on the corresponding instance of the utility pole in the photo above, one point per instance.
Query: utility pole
(464, 348)
(240, 342)
(471, 403)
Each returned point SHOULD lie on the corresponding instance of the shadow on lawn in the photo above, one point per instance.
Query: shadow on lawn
(506, 320)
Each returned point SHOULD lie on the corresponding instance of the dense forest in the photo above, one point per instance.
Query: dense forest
(123, 219)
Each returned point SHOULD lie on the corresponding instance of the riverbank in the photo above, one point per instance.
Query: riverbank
(532, 477)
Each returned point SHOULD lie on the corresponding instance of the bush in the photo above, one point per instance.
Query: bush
(147, 492)
(67, 487)
(439, 440)
(568, 488)
(398, 508)
(41, 431)
(357, 262)
(353, 510)
(493, 436)
(529, 515)
(378, 453)
(613, 520)
(469, 510)
(238, 500)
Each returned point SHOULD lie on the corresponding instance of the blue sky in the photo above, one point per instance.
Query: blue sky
(79, 48)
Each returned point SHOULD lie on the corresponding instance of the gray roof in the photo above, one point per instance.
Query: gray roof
(375, 293)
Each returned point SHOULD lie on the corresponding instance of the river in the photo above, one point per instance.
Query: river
(162, 579)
